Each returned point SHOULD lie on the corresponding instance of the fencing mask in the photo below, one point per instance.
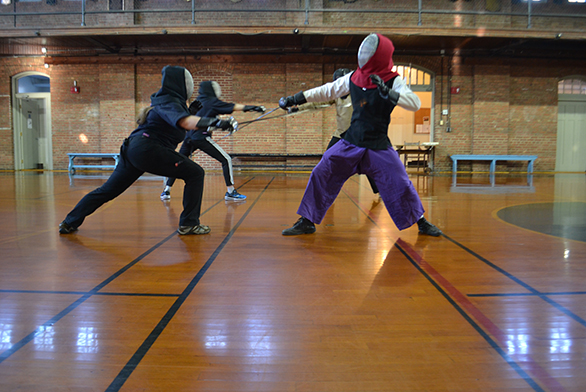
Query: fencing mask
(188, 84)
(367, 49)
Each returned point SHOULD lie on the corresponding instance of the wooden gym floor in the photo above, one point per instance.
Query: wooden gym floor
(496, 304)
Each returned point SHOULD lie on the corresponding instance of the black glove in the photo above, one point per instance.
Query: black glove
(292, 100)
(294, 109)
(384, 91)
(224, 125)
(230, 125)
(195, 107)
(252, 108)
(207, 122)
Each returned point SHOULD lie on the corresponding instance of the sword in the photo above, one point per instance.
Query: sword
(263, 118)
(258, 118)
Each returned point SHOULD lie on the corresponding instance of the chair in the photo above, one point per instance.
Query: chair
(414, 148)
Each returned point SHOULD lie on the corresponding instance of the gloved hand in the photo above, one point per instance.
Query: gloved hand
(224, 125)
(252, 108)
(213, 122)
(292, 100)
(233, 125)
(195, 107)
(230, 125)
(384, 91)
(293, 109)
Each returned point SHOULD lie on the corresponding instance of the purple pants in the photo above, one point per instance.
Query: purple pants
(342, 161)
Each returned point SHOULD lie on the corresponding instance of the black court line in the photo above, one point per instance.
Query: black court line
(524, 375)
(87, 295)
(526, 294)
(22, 342)
(160, 327)
(88, 292)
(529, 288)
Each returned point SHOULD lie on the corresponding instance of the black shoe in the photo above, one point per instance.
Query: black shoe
(427, 228)
(302, 226)
(197, 230)
(64, 228)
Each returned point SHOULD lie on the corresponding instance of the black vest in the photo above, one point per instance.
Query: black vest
(370, 118)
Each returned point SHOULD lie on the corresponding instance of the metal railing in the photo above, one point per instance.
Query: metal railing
(460, 13)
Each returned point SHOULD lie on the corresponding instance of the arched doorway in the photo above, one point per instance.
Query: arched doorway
(31, 108)
(412, 127)
(571, 135)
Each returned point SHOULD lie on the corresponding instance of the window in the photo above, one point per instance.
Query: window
(572, 86)
(413, 76)
(34, 84)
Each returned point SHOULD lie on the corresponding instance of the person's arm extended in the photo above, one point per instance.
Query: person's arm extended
(189, 122)
(323, 93)
(329, 91)
(193, 122)
(249, 108)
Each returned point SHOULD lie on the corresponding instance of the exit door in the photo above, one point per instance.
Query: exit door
(571, 138)
(31, 133)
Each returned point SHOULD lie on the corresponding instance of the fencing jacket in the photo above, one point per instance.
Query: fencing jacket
(211, 107)
(371, 114)
(168, 107)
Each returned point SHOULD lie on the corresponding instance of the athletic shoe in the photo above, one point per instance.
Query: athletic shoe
(427, 228)
(64, 228)
(166, 195)
(197, 230)
(302, 226)
(234, 195)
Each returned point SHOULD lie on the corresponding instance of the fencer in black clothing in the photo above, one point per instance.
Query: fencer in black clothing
(151, 148)
(201, 139)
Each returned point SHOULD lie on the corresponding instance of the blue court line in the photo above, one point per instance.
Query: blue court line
(529, 288)
(40, 329)
(89, 292)
(140, 353)
(526, 294)
(526, 377)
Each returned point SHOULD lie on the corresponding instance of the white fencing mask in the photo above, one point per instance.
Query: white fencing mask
(217, 89)
(367, 49)
(188, 84)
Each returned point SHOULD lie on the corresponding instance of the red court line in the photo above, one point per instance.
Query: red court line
(537, 371)
(462, 300)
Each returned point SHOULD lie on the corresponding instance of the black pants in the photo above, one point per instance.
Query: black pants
(212, 149)
(141, 154)
(335, 140)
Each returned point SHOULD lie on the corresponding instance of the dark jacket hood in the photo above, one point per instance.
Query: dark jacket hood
(206, 91)
(172, 87)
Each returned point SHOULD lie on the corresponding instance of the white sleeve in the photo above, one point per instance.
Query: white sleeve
(407, 99)
(329, 91)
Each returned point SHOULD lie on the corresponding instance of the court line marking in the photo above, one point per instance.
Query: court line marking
(140, 353)
(87, 292)
(518, 281)
(40, 329)
(469, 311)
(527, 294)
(495, 216)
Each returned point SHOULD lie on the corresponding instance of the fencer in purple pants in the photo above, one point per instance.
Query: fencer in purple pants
(342, 161)
(375, 90)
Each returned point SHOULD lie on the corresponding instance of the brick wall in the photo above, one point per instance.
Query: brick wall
(503, 106)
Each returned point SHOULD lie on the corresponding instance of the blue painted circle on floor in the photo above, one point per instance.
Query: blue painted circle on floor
(565, 220)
